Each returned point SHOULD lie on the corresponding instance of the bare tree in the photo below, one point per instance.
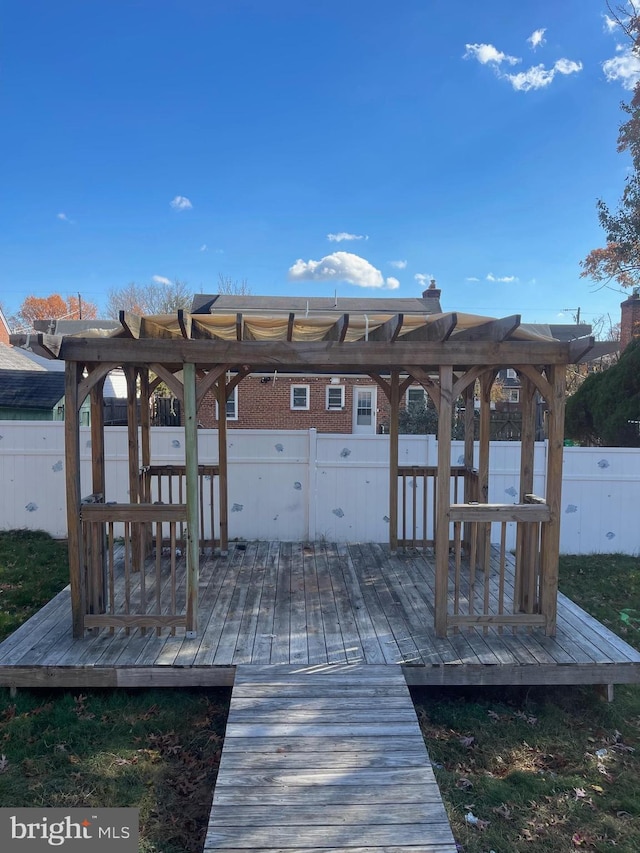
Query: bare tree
(229, 285)
(154, 298)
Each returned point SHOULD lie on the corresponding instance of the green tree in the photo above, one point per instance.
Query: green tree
(605, 410)
(418, 418)
(619, 260)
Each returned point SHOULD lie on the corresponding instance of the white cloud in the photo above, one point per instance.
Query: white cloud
(341, 266)
(64, 218)
(344, 235)
(610, 24)
(501, 278)
(203, 248)
(537, 38)
(538, 77)
(181, 202)
(160, 279)
(472, 278)
(623, 68)
(398, 265)
(488, 54)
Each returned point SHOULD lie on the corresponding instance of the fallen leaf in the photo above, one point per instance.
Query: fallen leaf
(503, 810)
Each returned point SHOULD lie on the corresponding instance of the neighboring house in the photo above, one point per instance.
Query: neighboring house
(630, 318)
(115, 386)
(328, 403)
(5, 331)
(31, 395)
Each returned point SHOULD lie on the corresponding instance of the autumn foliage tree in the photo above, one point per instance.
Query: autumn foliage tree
(619, 259)
(55, 307)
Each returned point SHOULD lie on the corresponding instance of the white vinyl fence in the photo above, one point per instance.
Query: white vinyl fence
(301, 485)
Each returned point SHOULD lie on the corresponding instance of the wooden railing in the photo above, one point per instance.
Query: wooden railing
(166, 484)
(485, 589)
(417, 489)
(121, 589)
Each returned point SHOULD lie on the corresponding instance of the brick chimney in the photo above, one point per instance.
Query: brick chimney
(630, 319)
(432, 292)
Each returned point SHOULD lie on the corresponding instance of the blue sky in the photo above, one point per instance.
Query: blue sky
(311, 146)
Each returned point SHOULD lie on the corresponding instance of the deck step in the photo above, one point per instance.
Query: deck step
(326, 757)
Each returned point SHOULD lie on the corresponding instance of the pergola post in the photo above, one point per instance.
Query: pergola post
(222, 463)
(550, 544)
(394, 406)
(131, 374)
(98, 473)
(193, 513)
(97, 439)
(443, 499)
(72, 474)
(145, 417)
(486, 383)
(526, 549)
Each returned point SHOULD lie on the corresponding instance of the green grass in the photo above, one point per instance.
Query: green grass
(546, 769)
(157, 751)
(33, 568)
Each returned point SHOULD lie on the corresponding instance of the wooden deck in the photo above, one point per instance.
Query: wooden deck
(289, 603)
(326, 757)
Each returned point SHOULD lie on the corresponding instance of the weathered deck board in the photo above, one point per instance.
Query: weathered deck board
(365, 785)
(287, 603)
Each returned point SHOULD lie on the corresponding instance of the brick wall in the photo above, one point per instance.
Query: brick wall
(265, 403)
(4, 331)
(629, 320)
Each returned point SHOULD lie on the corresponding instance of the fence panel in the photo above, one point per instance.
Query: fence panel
(295, 485)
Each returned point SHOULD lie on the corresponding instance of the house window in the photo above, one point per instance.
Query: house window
(299, 396)
(335, 397)
(512, 395)
(416, 395)
(232, 406)
(511, 373)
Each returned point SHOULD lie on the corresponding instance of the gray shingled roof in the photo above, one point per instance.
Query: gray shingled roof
(12, 358)
(30, 389)
(204, 303)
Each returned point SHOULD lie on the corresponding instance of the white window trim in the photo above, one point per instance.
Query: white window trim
(300, 408)
(234, 397)
(513, 395)
(342, 395)
(511, 373)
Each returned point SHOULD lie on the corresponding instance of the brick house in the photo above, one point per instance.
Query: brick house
(630, 318)
(4, 329)
(326, 402)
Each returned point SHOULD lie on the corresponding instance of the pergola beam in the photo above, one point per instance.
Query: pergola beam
(338, 331)
(437, 331)
(493, 330)
(319, 356)
(389, 331)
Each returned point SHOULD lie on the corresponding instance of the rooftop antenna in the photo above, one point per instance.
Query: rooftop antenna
(576, 316)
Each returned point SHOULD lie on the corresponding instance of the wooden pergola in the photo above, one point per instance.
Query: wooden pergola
(450, 355)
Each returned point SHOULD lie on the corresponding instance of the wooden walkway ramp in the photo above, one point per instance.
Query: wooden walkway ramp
(324, 759)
